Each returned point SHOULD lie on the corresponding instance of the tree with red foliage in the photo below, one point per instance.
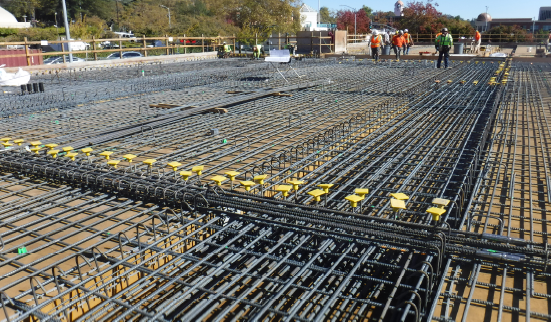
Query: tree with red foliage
(345, 21)
(421, 17)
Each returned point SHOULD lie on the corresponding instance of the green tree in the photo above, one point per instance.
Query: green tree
(327, 16)
(368, 11)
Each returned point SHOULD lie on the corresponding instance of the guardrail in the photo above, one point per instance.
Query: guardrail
(501, 38)
(172, 45)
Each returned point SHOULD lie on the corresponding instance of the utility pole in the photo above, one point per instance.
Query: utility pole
(355, 17)
(56, 26)
(67, 32)
(486, 18)
(118, 22)
(319, 13)
(167, 8)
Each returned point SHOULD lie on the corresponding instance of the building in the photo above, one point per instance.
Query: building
(399, 8)
(308, 17)
(545, 13)
(485, 22)
(7, 20)
(309, 20)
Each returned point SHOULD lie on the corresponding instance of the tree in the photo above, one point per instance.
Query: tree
(265, 17)
(327, 16)
(456, 25)
(368, 11)
(508, 34)
(421, 17)
(345, 20)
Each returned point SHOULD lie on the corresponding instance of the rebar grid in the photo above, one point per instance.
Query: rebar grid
(136, 241)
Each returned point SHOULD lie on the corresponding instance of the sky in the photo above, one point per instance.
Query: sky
(467, 9)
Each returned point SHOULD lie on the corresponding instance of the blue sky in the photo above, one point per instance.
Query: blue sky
(467, 9)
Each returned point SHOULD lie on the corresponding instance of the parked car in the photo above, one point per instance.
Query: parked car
(124, 55)
(127, 36)
(59, 60)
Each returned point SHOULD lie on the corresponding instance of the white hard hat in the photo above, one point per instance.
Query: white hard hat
(375, 33)
(405, 30)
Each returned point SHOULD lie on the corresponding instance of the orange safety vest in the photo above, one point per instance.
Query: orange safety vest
(477, 36)
(407, 37)
(375, 43)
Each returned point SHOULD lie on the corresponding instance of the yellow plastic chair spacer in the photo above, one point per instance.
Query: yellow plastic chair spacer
(185, 174)
(18, 141)
(53, 153)
(129, 157)
(198, 169)
(247, 184)
(87, 151)
(35, 143)
(296, 183)
(232, 174)
(361, 192)
(51, 146)
(325, 187)
(399, 196)
(149, 162)
(317, 193)
(218, 179)
(397, 205)
(106, 154)
(354, 199)
(5, 139)
(436, 212)
(284, 189)
(260, 179)
(174, 165)
(440, 202)
(67, 149)
(72, 156)
(113, 163)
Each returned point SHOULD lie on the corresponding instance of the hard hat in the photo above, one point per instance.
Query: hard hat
(401, 32)
(405, 30)
(444, 30)
(375, 33)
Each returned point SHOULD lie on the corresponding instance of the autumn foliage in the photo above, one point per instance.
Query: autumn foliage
(424, 18)
(345, 21)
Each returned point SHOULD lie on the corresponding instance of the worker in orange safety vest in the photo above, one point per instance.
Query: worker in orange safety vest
(409, 41)
(398, 41)
(477, 40)
(376, 41)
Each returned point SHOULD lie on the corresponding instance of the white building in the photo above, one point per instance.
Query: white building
(308, 18)
(399, 8)
(7, 20)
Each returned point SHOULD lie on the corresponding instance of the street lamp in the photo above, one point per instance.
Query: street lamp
(56, 27)
(355, 16)
(486, 18)
(67, 32)
(167, 8)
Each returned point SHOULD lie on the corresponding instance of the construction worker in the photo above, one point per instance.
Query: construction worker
(256, 51)
(443, 44)
(376, 41)
(548, 42)
(409, 41)
(398, 41)
(477, 40)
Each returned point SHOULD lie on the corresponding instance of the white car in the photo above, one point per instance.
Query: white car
(124, 55)
(78, 45)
